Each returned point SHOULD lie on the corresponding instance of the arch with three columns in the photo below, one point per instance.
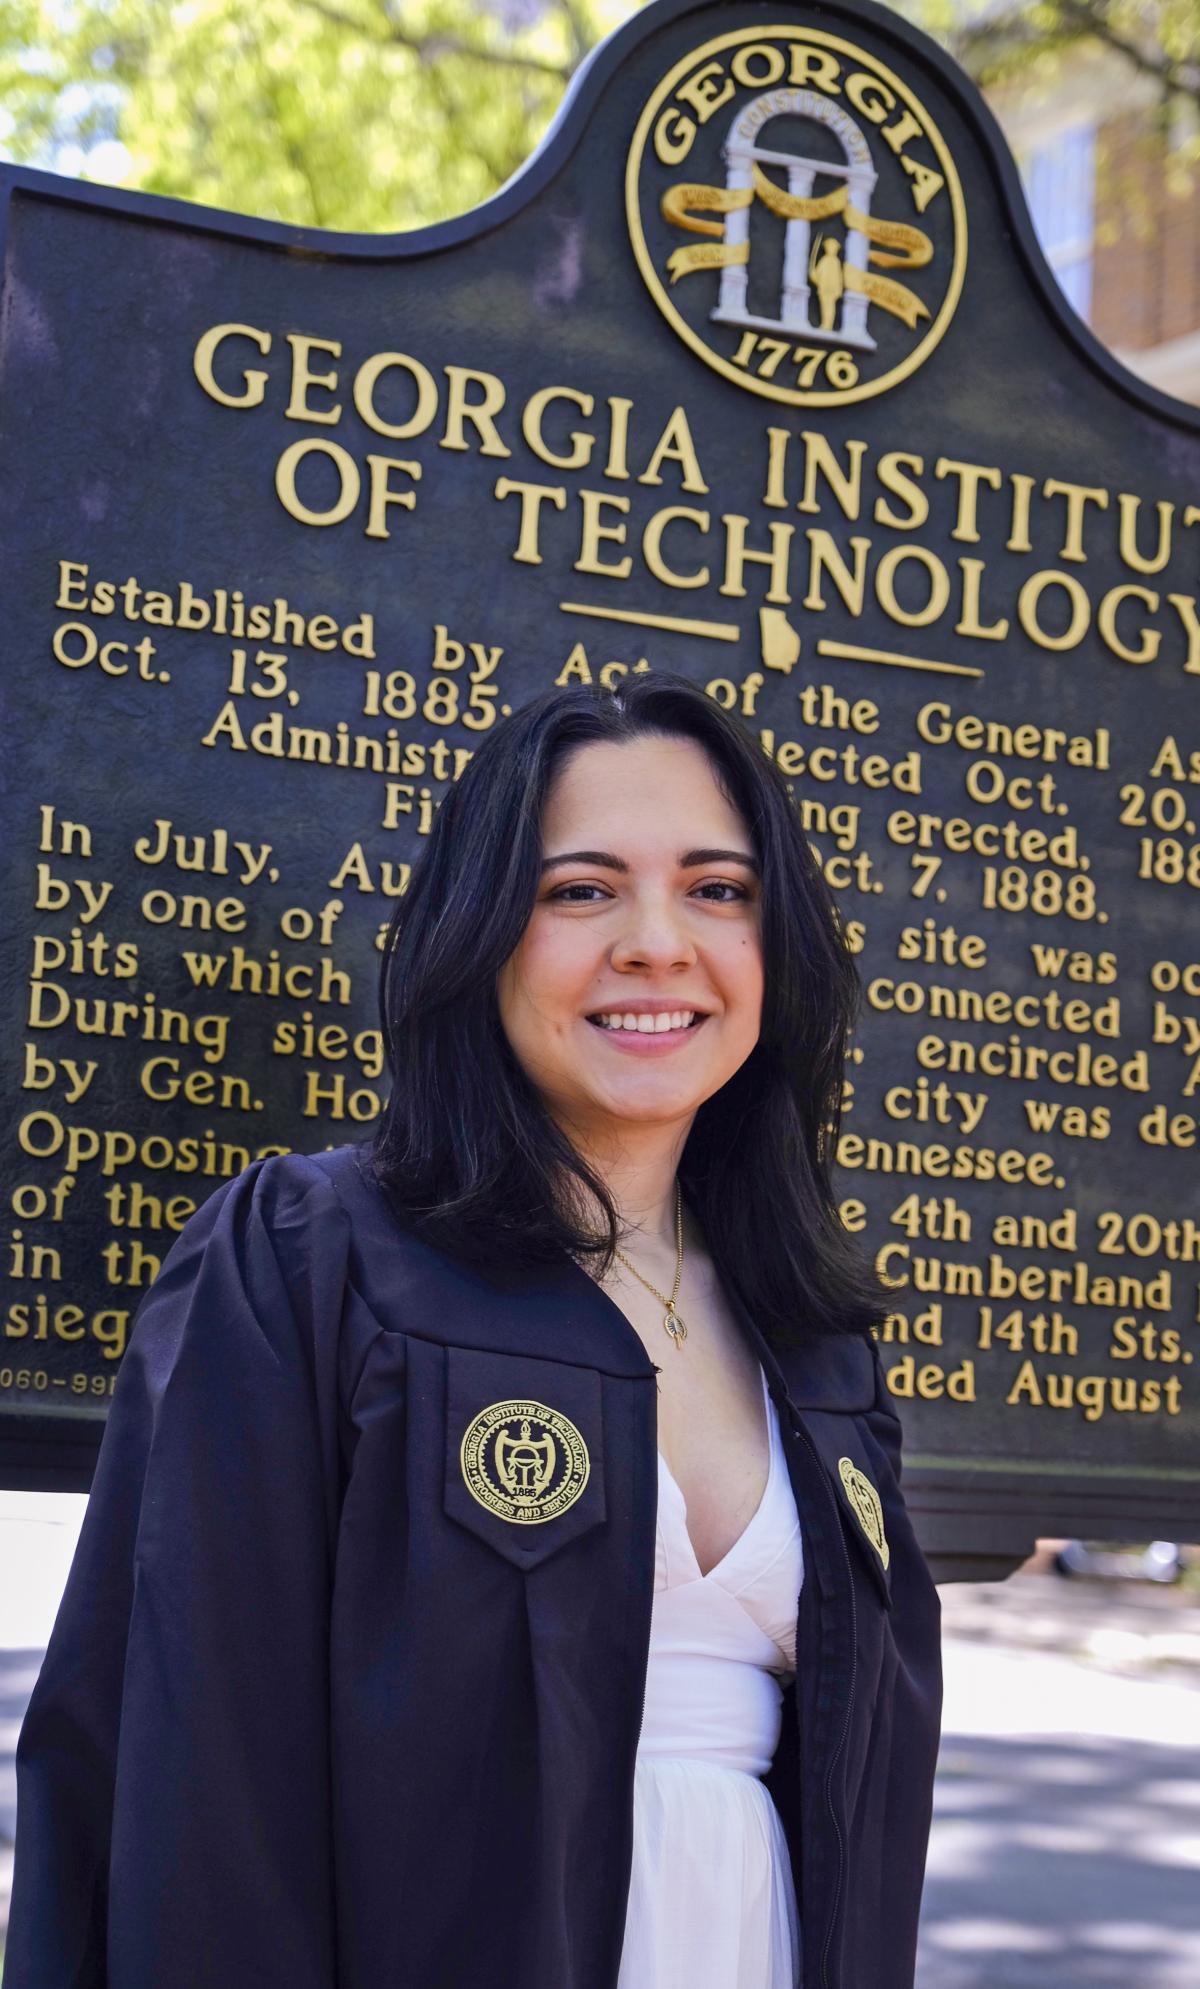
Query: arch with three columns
(742, 153)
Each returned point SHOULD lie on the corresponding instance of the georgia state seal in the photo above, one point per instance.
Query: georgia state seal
(524, 1462)
(796, 215)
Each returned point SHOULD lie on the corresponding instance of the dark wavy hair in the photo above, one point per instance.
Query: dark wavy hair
(465, 1150)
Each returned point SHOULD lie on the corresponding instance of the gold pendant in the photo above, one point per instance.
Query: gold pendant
(675, 1327)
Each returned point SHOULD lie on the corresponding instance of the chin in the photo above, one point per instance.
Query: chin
(652, 1109)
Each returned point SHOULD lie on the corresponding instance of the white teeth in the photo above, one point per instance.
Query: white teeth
(646, 1025)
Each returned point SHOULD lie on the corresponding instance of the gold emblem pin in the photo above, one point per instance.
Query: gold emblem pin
(524, 1462)
(867, 1507)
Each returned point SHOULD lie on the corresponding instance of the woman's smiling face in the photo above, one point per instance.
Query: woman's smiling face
(649, 903)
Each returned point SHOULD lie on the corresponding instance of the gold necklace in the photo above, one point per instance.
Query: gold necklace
(671, 1320)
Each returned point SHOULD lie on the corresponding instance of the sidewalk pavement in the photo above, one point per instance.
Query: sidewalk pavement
(1065, 1851)
(37, 1539)
(1132, 1629)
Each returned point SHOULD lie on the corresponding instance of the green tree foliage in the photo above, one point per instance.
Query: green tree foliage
(387, 114)
(1156, 39)
(1027, 47)
(351, 114)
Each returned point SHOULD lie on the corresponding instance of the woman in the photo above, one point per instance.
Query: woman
(496, 1572)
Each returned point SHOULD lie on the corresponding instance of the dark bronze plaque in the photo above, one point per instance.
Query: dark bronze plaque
(756, 373)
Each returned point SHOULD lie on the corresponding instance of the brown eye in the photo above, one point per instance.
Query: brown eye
(723, 884)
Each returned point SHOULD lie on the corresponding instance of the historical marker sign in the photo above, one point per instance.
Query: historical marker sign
(755, 373)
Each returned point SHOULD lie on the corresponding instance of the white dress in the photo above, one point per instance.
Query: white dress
(711, 1899)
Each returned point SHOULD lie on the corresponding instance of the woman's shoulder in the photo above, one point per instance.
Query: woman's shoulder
(279, 1229)
(286, 1194)
(292, 1174)
(313, 1215)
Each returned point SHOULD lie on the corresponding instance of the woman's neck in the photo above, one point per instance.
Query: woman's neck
(642, 1187)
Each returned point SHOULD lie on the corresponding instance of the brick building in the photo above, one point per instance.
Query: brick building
(1116, 205)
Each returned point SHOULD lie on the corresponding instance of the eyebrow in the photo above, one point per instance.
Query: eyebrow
(690, 859)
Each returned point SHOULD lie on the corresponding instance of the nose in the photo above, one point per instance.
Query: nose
(654, 935)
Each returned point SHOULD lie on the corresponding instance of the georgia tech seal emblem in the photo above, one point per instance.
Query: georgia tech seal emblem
(796, 215)
(524, 1462)
(867, 1507)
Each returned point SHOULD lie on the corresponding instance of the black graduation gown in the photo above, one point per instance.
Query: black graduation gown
(312, 1714)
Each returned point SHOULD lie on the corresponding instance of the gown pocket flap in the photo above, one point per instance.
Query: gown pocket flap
(524, 1451)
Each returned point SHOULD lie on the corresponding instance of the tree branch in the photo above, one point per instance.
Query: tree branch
(294, 156)
(433, 46)
(452, 115)
(579, 38)
(1078, 20)
(1091, 18)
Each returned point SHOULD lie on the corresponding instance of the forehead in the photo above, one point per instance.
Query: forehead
(641, 784)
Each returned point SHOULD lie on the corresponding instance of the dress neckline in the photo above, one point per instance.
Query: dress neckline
(759, 1509)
